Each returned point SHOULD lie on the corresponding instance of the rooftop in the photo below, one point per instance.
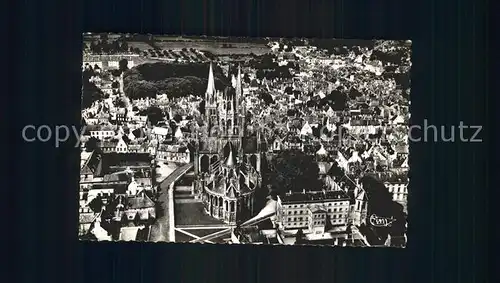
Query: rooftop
(314, 196)
(128, 233)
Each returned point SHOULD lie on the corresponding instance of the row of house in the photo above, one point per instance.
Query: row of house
(115, 194)
(109, 61)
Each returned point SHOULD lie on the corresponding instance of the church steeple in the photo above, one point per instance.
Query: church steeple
(211, 91)
(231, 158)
(239, 90)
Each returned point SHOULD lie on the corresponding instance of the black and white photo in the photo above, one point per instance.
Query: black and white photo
(222, 140)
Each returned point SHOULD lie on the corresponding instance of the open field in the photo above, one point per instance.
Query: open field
(215, 47)
(138, 44)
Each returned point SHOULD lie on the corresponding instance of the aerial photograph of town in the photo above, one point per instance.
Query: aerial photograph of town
(235, 140)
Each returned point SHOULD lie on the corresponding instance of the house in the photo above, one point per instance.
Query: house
(121, 146)
(398, 120)
(122, 116)
(86, 218)
(398, 190)
(359, 205)
(160, 134)
(292, 142)
(133, 233)
(103, 131)
(276, 144)
(108, 145)
(137, 148)
(306, 130)
(342, 161)
(313, 211)
(91, 166)
(173, 153)
(135, 210)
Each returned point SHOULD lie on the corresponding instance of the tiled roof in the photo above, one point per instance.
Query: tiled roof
(128, 233)
(313, 196)
(138, 202)
(115, 177)
(87, 218)
(93, 165)
(401, 148)
(104, 128)
(112, 143)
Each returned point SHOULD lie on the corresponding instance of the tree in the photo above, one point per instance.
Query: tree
(336, 170)
(293, 170)
(266, 97)
(90, 93)
(123, 65)
(299, 237)
(141, 89)
(311, 103)
(154, 114)
(96, 204)
(291, 112)
(121, 102)
(337, 100)
(124, 46)
(246, 78)
(201, 107)
(92, 144)
(177, 118)
(95, 47)
(381, 204)
(260, 74)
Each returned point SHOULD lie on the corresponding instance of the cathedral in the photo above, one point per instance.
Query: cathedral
(227, 160)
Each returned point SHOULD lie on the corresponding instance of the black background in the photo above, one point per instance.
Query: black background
(448, 213)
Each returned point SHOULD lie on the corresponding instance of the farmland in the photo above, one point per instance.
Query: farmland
(215, 47)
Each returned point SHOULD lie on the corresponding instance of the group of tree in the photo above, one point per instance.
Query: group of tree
(154, 114)
(265, 61)
(104, 46)
(284, 47)
(175, 80)
(292, 170)
(266, 98)
(336, 99)
(336, 46)
(92, 144)
(90, 92)
(380, 203)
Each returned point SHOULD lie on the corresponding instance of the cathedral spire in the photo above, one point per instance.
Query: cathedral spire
(238, 83)
(231, 158)
(211, 91)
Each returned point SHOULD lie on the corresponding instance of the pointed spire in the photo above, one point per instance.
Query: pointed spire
(322, 151)
(231, 158)
(238, 84)
(210, 85)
